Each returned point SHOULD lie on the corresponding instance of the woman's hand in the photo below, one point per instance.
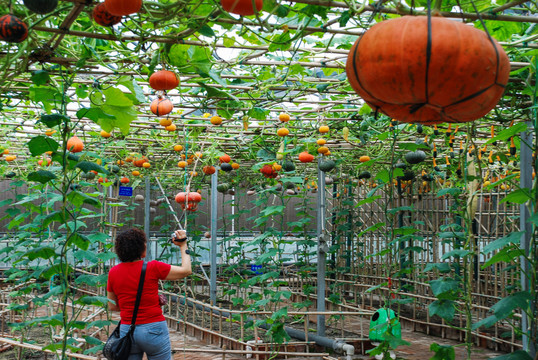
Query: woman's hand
(180, 238)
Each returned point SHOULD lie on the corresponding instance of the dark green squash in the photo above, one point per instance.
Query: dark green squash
(327, 165)
(41, 6)
(222, 188)
(415, 157)
(365, 175)
(10, 175)
(288, 165)
(408, 175)
(226, 167)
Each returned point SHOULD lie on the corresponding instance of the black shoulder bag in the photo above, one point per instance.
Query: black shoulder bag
(117, 348)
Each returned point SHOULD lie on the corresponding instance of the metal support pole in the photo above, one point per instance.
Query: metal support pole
(147, 217)
(322, 251)
(528, 325)
(213, 249)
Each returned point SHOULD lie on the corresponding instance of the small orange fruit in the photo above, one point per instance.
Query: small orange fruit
(6, 151)
(235, 166)
(136, 173)
(198, 154)
(48, 152)
(323, 150)
(277, 167)
(282, 132)
(323, 129)
(321, 142)
(190, 161)
(283, 117)
(193, 173)
(146, 165)
(364, 158)
(50, 132)
(171, 127)
(182, 164)
(216, 120)
(120, 162)
(105, 134)
(165, 122)
(178, 148)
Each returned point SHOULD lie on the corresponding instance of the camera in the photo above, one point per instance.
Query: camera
(174, 238)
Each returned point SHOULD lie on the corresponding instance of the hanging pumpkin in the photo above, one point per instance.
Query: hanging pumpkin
(103, 17)
(75, 145)
(452, 73)
(209, 170)
(241, 7)
(188, 201)
(225, 158)
(161, 106)
(226, 167)
(12, 29)
(305, 157)
(269, 172)
(163, 80)
(41, 6)
(123, 7)
(415, 157)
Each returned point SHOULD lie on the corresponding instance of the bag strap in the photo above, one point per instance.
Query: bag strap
(139, 293)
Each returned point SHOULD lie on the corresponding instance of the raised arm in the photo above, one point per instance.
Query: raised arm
(180, 272)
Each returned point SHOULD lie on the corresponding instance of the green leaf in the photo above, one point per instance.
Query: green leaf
(413, 146)
(519, 196)
(443, 352)
(43, 252)
(445, 288)
(444, 308)
(116, 97)
(82, 242)
(450, 191)
(507, 305)
(205, 30)
(513, 238)
(78, 198)
(506, 255)
(41, 144)
(344, 18)
(92, 300)
(368, 200)
(487, 322)
(456, 253)
(54, 216)
(42, 176)
(442, 267)
(87, 166)
(258, 113)
(508, 133)
(281, 313)
(40, 77)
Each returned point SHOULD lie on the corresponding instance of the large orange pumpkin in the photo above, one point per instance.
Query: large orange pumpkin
(161, 106)
(123, 7)
(305, 157)
(75, 145)
(163, 80)
(241, 7)
(454, 73)
(188, 201)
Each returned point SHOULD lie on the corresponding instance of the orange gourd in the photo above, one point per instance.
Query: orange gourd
(225, 158)
(163, 80)
(161, 106)
(305, 157)
(75, 145)
(463, 80)
(209, 170)
(241, 7)
(123, 7)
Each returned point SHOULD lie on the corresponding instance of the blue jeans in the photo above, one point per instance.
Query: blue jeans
(152, 339)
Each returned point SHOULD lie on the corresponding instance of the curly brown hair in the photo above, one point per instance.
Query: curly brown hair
(130, 244)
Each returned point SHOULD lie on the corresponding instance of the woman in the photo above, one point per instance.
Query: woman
(151, 332)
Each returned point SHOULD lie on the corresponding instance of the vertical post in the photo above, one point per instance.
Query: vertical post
(349, 251)
(322, 251)
(527, 324)
(147, 218)
(213, 249)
